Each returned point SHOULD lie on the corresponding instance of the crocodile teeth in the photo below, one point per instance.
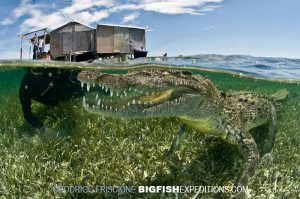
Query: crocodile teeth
(106, 89)
(96, 97)
(82, 84)
(88, 87)
(111, 93)
(139, 102)
(93, 84)
(99, 102)
(133, 101)
(128, 104)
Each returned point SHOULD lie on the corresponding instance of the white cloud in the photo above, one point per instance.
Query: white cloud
(192, 7)
(23, 9)
(80, 5)
(39, 21)
(208, 8)
(40, 15)
(130, 17)
(7, 21)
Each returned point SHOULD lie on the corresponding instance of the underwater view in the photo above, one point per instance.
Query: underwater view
(77, 130)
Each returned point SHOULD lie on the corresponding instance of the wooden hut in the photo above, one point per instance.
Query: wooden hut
(75, 41)
(117, 39)
(72, 39)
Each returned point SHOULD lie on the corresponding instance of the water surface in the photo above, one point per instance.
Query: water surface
(96, 150)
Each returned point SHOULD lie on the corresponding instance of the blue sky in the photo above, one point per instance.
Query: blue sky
(178, 27)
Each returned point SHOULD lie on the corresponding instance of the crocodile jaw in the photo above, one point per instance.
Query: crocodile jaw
(158, 104)
(139, 94)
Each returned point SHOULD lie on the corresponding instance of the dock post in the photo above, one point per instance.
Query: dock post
(21, 48)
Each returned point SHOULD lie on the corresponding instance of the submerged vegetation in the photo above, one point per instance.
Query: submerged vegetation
(96, 150)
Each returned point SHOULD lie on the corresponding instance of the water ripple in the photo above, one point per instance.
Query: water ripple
(267, 67)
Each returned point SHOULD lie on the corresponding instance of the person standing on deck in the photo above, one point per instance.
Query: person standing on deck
(41, 45)
(35, 45)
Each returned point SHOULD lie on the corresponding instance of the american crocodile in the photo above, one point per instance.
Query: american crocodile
(193, 99)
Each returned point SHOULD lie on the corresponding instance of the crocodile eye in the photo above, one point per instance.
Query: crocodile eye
(187, 73)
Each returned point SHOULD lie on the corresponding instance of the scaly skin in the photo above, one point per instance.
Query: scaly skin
(193, 99)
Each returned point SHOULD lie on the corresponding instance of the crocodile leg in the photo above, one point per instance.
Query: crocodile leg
(176, 141)
(249, 149)
(271, 131)
(267, 139)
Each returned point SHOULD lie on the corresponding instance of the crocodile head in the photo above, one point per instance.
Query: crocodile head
(145, 93)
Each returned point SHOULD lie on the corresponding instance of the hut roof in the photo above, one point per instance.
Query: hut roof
(76, 22)
(125, 26)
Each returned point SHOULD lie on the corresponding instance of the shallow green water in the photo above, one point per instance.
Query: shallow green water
(95, 150)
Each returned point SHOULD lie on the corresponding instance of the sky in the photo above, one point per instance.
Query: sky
(179, 27)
